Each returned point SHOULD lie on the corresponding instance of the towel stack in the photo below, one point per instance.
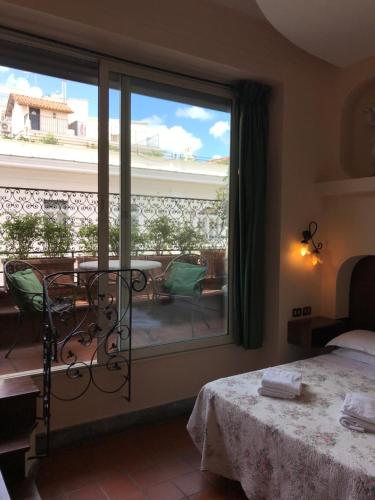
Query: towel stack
(358, 412)
(278, 383)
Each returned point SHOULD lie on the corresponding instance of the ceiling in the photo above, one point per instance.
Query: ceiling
(340, 32)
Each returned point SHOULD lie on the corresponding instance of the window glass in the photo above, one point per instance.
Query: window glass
(180, 156)
(48, 191)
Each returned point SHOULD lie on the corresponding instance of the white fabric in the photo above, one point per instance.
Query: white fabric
(282, 381)
(362, 357)
(275, 393)
(358, 412)
(288, 449)
(355, 424)
(359, 340)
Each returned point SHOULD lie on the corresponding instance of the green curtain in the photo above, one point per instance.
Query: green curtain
(248, 229)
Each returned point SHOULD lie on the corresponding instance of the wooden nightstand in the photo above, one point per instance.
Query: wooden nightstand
(314, 332)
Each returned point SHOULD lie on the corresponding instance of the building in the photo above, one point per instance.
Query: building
(29, 116)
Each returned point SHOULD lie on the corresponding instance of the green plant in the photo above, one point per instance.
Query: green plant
(160, 234)
(49, 139)
(56, 237)
(188, 238)
(114, 238)
(138, 239)
(88, 238)
(21, 232)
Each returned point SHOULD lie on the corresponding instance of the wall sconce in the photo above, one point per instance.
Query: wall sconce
(308, 245)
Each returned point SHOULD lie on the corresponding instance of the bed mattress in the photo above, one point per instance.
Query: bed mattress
(288, 449)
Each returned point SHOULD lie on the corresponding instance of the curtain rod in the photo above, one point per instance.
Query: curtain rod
(96, 54)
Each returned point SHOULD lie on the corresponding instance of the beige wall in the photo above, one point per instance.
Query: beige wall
(218, 43)
(349, 206)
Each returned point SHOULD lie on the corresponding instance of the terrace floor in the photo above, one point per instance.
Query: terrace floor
(150, 462)
(152, 326)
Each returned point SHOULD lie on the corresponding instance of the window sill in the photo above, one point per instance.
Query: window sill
(144, 354)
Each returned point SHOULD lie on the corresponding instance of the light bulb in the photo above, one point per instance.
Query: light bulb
(304, 250)
(315, 259)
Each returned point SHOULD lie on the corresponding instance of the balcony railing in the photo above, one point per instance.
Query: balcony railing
(80, 208)
(48, 124)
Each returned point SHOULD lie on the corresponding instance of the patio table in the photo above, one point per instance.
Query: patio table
(114, 265)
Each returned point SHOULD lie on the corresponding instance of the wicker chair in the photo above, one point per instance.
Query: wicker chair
(29, 301)
(163, 290)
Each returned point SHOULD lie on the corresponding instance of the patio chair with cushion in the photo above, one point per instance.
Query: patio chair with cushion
(183, 279)
(24, 283)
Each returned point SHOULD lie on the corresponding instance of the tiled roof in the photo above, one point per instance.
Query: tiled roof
(35, 102)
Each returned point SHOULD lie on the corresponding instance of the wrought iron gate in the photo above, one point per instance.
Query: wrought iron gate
(87, 330)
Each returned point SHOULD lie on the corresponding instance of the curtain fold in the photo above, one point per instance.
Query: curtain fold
(248, 226)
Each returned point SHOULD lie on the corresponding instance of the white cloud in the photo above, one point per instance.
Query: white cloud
(4, 69)
(219, 128)
(153, 120)
(22, 85)
(172, 139)
(195, 113)
(216, 157)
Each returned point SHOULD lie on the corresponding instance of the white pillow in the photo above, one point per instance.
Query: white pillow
(359, 340)
(360, 356)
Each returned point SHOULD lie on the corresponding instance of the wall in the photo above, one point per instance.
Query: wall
(217, 42)
(18, 118)
(349, 204)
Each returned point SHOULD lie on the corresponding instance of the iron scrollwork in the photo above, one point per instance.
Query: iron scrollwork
(94, 332)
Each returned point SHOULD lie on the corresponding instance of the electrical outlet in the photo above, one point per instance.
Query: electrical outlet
(296, 312)
(306, 311)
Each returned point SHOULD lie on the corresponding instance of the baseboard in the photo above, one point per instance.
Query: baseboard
(78, 434)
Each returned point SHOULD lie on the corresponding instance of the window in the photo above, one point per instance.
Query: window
(162, 169)
(48, 187)
(175, 174)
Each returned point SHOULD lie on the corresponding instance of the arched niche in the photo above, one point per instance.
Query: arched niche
(344, 276)
(358, 131)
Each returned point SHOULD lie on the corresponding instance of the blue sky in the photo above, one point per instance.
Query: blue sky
(180, 127)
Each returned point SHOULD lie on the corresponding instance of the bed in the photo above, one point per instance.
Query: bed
(282, 449)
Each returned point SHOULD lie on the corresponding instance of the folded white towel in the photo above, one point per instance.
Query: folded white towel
(358, 412)
(282, 381)
(356, 424)
(274, 393)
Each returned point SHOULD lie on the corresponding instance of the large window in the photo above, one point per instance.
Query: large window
(163, 172)
(179, 188)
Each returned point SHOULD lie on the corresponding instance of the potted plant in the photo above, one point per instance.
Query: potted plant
(188, 238)
(114, 238)
(160, 234)
(88, 239)
(21, 233)
(138, 239)
(56, 237)
(56, 240)
(160, 237)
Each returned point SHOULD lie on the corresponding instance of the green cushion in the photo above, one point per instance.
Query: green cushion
(27, 290)
(183, 278)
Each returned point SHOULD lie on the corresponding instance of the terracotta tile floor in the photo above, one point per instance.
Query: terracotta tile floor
(153, 462)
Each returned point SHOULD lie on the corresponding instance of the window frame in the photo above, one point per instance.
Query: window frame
(196, 93)
(86, 65)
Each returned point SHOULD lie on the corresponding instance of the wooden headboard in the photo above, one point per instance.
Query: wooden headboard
(362, 294)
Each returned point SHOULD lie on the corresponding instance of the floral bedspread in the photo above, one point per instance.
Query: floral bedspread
(288, 449)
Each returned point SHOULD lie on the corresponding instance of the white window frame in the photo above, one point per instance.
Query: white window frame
(131, 71)
(128, 72)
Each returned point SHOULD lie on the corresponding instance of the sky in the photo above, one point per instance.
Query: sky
(180, 127)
